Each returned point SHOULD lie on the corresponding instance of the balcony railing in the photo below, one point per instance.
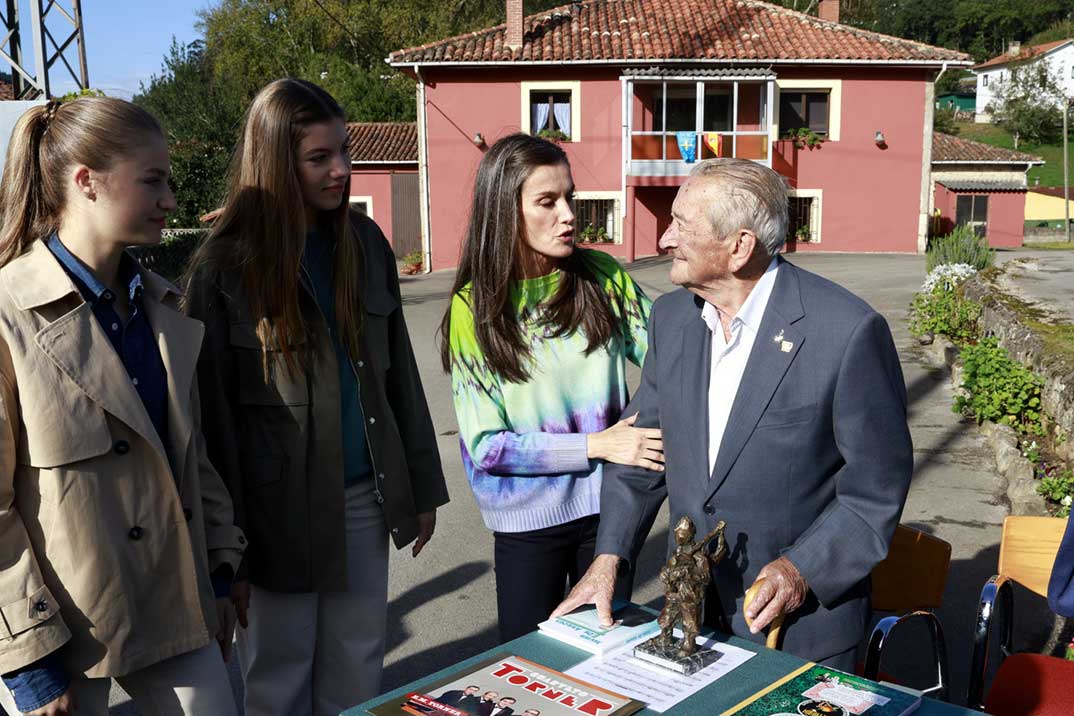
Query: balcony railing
(658, 154)
(737, 104)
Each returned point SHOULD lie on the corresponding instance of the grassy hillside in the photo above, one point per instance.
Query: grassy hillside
(1051, 174)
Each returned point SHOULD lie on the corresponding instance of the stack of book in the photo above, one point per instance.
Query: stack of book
(581, 628)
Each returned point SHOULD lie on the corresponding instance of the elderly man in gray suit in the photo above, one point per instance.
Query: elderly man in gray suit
(783, 412)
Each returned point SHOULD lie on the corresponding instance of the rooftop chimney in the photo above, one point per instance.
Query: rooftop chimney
(828, 10)
(1014, 49)
(513, 37)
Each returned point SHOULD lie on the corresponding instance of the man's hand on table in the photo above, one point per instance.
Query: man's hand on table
(783, 591)
(596, 586)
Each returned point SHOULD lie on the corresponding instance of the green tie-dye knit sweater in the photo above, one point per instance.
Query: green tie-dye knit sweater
(524, 444)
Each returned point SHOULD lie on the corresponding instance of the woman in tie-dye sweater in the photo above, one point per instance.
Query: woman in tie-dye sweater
(536, 339)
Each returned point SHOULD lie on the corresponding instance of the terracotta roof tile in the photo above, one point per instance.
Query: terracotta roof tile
(382, 141)
(1026, 54)
(713, 30)
(947, 148)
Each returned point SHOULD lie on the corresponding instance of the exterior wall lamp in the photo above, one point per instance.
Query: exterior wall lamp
(478, 140)
(879, 138)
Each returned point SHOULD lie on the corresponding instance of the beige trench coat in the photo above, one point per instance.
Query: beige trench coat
(107, 536)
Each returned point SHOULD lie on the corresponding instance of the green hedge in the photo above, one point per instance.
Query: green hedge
(169, 258)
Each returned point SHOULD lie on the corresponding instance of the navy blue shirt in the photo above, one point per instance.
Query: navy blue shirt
(318, 263)
(133, 340)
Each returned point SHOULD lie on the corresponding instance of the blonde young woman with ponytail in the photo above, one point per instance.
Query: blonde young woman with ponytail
(116, 534)
(314, 409)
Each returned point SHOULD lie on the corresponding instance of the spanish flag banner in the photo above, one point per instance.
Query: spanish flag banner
(714, 141)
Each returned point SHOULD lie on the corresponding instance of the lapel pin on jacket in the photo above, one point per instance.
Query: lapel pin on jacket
(786, 346)
(779, 336)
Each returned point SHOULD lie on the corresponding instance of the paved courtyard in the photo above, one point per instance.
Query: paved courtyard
(1045, 278)
(443, 605)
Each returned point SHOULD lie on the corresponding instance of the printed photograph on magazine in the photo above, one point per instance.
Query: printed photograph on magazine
(819, 691)
(508, 685)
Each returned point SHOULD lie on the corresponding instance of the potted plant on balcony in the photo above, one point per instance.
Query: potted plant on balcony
(595, 235)
(803, 234)
(804, 138)
(553, 135)
(412, 263)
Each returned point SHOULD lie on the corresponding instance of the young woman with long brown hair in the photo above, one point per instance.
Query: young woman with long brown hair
(314, 409)
(536, 339)
(117, 539)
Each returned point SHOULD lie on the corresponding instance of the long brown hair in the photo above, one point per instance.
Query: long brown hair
(262, 227)
(490, 258)
(49, 139)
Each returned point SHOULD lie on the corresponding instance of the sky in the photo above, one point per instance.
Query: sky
(126, 40)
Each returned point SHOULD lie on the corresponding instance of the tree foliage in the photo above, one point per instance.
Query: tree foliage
(203, 88)
(943, 120)
(200, 115)
(1061, 30)
(1028, 103)
(948, 82)
(340, 44)
(982, 28)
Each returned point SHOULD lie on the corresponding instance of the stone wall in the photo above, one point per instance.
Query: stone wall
(1001, 317)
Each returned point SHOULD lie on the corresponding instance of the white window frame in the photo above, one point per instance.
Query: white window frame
(817, 219)
(367, 200)
(618, 197)
(574, 87)
(835, 102)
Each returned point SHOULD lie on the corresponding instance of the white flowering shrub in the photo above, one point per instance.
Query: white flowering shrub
(947, 277)
(938, 310)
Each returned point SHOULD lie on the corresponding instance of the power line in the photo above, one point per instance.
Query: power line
(355, 40)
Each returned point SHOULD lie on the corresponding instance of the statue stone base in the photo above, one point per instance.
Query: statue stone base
(652, 652)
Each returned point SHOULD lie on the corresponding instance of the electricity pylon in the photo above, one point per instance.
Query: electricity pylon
(47, 51)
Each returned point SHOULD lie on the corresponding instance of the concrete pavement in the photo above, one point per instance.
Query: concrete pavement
(443, 604)
(1043, 278)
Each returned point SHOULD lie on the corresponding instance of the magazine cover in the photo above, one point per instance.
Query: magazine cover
(819, 691)
(509, 686)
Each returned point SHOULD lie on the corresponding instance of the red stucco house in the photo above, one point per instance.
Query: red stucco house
(981, 186)
(623, 82)
(384, 179)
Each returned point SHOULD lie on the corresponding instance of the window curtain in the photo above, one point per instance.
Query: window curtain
(562, 111)
(540, 116)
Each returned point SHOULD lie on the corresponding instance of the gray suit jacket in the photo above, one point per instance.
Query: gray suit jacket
(815, 462)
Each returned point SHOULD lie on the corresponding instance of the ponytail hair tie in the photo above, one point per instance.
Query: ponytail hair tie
(51, 109)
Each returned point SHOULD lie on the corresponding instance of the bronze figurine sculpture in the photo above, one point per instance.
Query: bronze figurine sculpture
(686, 576)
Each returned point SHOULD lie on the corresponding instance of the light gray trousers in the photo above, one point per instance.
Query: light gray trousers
(191, 684)
(318, 654)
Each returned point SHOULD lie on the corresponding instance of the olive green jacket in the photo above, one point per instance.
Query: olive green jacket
(278, 444)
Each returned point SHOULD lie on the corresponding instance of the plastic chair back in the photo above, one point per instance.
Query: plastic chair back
(914, 573)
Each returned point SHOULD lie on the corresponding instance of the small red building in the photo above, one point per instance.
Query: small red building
(981, 186)
(624, 83)
(384, 179)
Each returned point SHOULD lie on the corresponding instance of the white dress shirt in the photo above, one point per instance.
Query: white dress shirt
(729, 357)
